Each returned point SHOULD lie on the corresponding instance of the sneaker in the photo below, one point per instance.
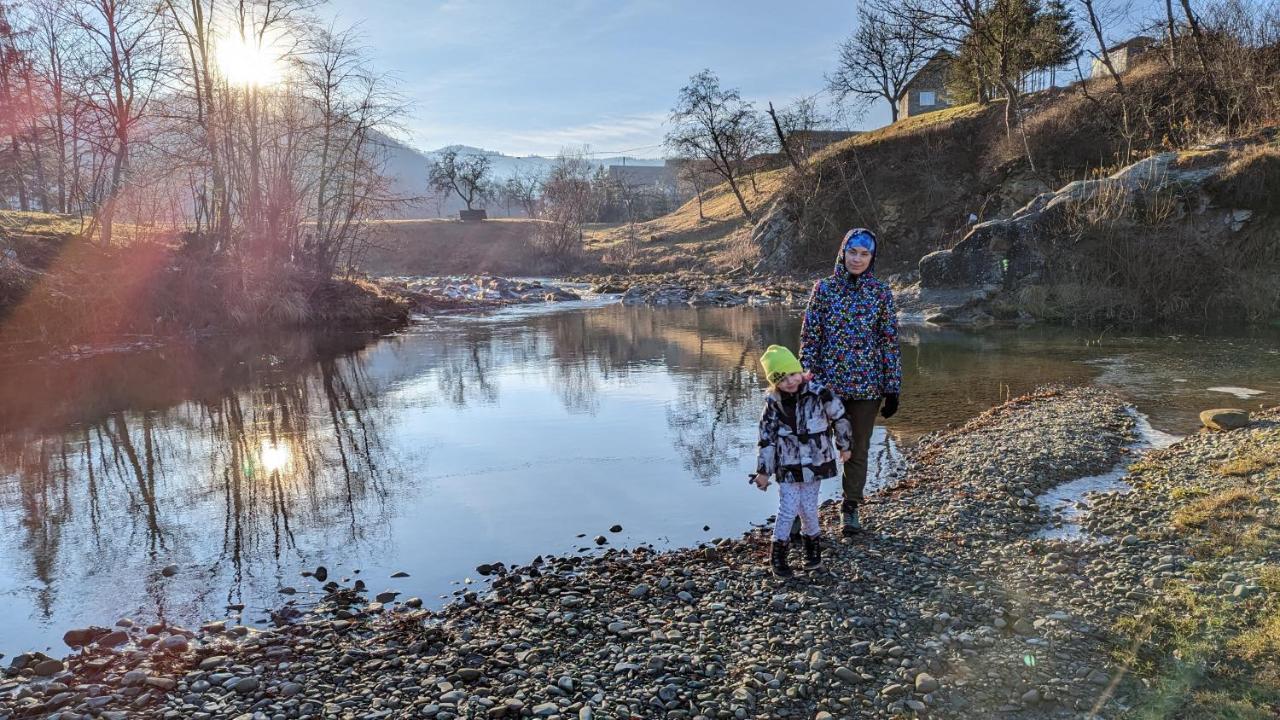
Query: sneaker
(778, 560)
(812, 552)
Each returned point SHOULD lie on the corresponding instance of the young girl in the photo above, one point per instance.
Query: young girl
(796, 448)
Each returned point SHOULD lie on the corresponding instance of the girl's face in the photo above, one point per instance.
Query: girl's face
(791, 383)
(857, 259)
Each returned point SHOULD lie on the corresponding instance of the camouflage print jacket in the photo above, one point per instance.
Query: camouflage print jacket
(796, 440)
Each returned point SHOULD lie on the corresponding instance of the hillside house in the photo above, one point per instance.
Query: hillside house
(926, 91)
(1122, 55)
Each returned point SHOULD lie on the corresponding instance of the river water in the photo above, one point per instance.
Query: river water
(466, 439)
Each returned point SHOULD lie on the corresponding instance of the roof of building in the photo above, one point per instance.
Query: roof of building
(1137, 41)
(940, 61)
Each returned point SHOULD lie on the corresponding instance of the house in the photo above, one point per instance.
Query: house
(926, 91)
(808, 142)
(1122, 55)
(642, 176)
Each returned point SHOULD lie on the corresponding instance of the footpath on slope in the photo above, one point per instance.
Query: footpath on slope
(950, 605)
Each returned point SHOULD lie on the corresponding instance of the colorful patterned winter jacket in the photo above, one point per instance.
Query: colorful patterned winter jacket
(849, 339)
(796, 440)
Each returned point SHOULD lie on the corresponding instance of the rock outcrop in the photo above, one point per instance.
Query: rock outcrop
(1002, 257)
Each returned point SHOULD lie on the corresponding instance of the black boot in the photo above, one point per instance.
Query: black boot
(778, 560)
(850, 524)
(812, 552)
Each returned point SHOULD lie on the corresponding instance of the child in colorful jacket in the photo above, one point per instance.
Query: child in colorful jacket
(849, 341)
(796, 428)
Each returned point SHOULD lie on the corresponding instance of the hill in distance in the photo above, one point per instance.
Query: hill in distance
(410, 167)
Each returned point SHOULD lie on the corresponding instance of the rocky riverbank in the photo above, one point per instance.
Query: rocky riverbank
(700, 290)
(427, 294)
(949, 606)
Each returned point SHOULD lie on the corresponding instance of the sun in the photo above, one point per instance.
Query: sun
(246, 61)
(274, 457)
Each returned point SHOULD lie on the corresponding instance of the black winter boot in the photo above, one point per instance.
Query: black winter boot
(812, 552)
(778, 560)
(849, 521)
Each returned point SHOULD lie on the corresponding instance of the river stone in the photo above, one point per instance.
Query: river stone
(246, 685)
(926, 683)
(846, 675)
(1224, 418)
(470, 674)
(386, 596)
(212, 662)
(45, 668)
(163, 683)
(321, 573)
(83, 636)
(639, 591)
(112, 639)
(169, 570)
(175, 643)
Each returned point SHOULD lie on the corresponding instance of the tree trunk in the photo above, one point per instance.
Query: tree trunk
(1203, 54)
(1173, 34)
(733, 184)
(782, 139)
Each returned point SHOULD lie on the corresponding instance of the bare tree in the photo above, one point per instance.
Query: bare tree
(880, 58)
(128, 48)
(568, 202)
(716, 125)
(801, 116)
(465, 175)
(525, 188)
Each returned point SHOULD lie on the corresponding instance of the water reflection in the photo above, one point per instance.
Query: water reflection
(467, 439)
(235, 486)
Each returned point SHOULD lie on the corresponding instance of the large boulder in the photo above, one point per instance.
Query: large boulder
(1224, 418)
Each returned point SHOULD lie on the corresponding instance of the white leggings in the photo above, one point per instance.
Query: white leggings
(797, 498)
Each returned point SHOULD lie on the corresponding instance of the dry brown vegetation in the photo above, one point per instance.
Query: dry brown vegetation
(58, 286)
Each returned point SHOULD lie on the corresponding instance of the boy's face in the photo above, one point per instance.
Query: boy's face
(791, 383)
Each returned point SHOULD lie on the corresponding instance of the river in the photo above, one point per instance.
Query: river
(465, 439)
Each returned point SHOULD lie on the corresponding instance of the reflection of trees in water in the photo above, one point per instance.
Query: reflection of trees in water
(705, 414)
(288, 454)
(466, 368)
(720, 391)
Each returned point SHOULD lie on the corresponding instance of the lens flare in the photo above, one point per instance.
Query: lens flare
(250, 62)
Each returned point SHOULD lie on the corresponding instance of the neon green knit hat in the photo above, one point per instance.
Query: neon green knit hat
(779, 362)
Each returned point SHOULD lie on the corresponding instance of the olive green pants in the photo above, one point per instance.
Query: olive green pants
(862, 415)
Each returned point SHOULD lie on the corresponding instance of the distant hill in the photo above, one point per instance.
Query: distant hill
(410, 167)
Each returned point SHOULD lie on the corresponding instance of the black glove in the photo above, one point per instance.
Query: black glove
(890, 405)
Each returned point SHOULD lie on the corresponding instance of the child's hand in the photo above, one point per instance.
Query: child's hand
(762, 481)
(845, 455)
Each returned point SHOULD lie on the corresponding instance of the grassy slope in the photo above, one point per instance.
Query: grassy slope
(451, 247)
(683, 239)
(1205, 651)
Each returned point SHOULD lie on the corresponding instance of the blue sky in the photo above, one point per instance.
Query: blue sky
(539, 75)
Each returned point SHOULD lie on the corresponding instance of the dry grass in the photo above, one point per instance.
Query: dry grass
(1251, 180)
(63, 289)
(1228, 506)
(1247, 464)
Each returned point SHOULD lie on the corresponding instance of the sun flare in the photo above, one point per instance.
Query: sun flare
(246, 61)
(274, 457)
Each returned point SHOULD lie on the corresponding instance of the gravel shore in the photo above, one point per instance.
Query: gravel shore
(948, 606)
